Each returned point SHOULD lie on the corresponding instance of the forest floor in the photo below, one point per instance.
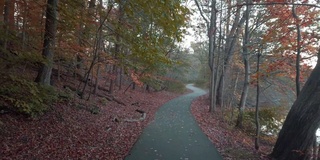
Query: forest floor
(79, 129)
(100, 129)
(231, 142)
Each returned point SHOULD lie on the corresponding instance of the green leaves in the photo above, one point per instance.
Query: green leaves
(26, 97)
(149, 32)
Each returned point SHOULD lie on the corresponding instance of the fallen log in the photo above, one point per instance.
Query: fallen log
(118, 101)
(143, 117)
(111, 98)
(70, 87)
(103, 89)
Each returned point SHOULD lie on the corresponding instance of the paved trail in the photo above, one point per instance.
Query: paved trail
(174, 134)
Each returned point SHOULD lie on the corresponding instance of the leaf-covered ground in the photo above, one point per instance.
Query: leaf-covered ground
(70, 131)
(232, 143)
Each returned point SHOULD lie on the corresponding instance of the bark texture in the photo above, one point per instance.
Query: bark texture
(298, 132)
(44, 73)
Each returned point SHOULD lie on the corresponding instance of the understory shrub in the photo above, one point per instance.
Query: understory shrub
(202, 83)
(271, 119)
(26, 97)
(156, 84)
(175, 86)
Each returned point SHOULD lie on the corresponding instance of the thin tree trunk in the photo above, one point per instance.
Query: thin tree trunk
(244, 93)
(8, 18)
(24, 24)
(318, 155)
(230, 46)
(117, 46)
(120, 78)
(245, 54)
(211, 28)
(220, 98)
(133, 86)
(97, 80)
(99, 49)
(112, 80)
(233, 95)
(2, 3)
(212, 41)
(314, 149)
(44, 73)
(298, 50)
(257, 138)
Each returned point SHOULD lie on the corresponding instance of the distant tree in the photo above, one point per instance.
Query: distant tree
(44, 73)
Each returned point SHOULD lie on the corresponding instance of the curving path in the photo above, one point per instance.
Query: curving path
(174, 134)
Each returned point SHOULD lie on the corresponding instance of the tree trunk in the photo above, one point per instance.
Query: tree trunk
(233, 95)
(9, 13)
(1, 11)
(44, 73)
(245, 54)
(220, 63)
(112, 80)
(117, 45)
(133, 86)
(99, 49)
(96, 86)
(8, 19)
(120, 78)
(244, 93)
(257, 138)
(212, 41)
(298, 50)
(298, 131)
(230, 46)
(2, 26)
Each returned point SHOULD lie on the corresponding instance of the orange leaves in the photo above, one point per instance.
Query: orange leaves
(282, 28)
(277, 1)
(136, 79)
(281, 66)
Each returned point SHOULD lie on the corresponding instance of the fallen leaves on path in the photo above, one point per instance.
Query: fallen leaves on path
(232, 143)
(70, 132)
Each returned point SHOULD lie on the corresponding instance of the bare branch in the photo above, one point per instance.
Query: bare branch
(201, 12)
(273, 3)
(281, 3)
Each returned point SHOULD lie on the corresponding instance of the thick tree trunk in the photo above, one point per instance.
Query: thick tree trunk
(298, 132)
(44, 73)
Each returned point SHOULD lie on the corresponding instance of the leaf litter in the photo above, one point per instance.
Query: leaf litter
(69, 132)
